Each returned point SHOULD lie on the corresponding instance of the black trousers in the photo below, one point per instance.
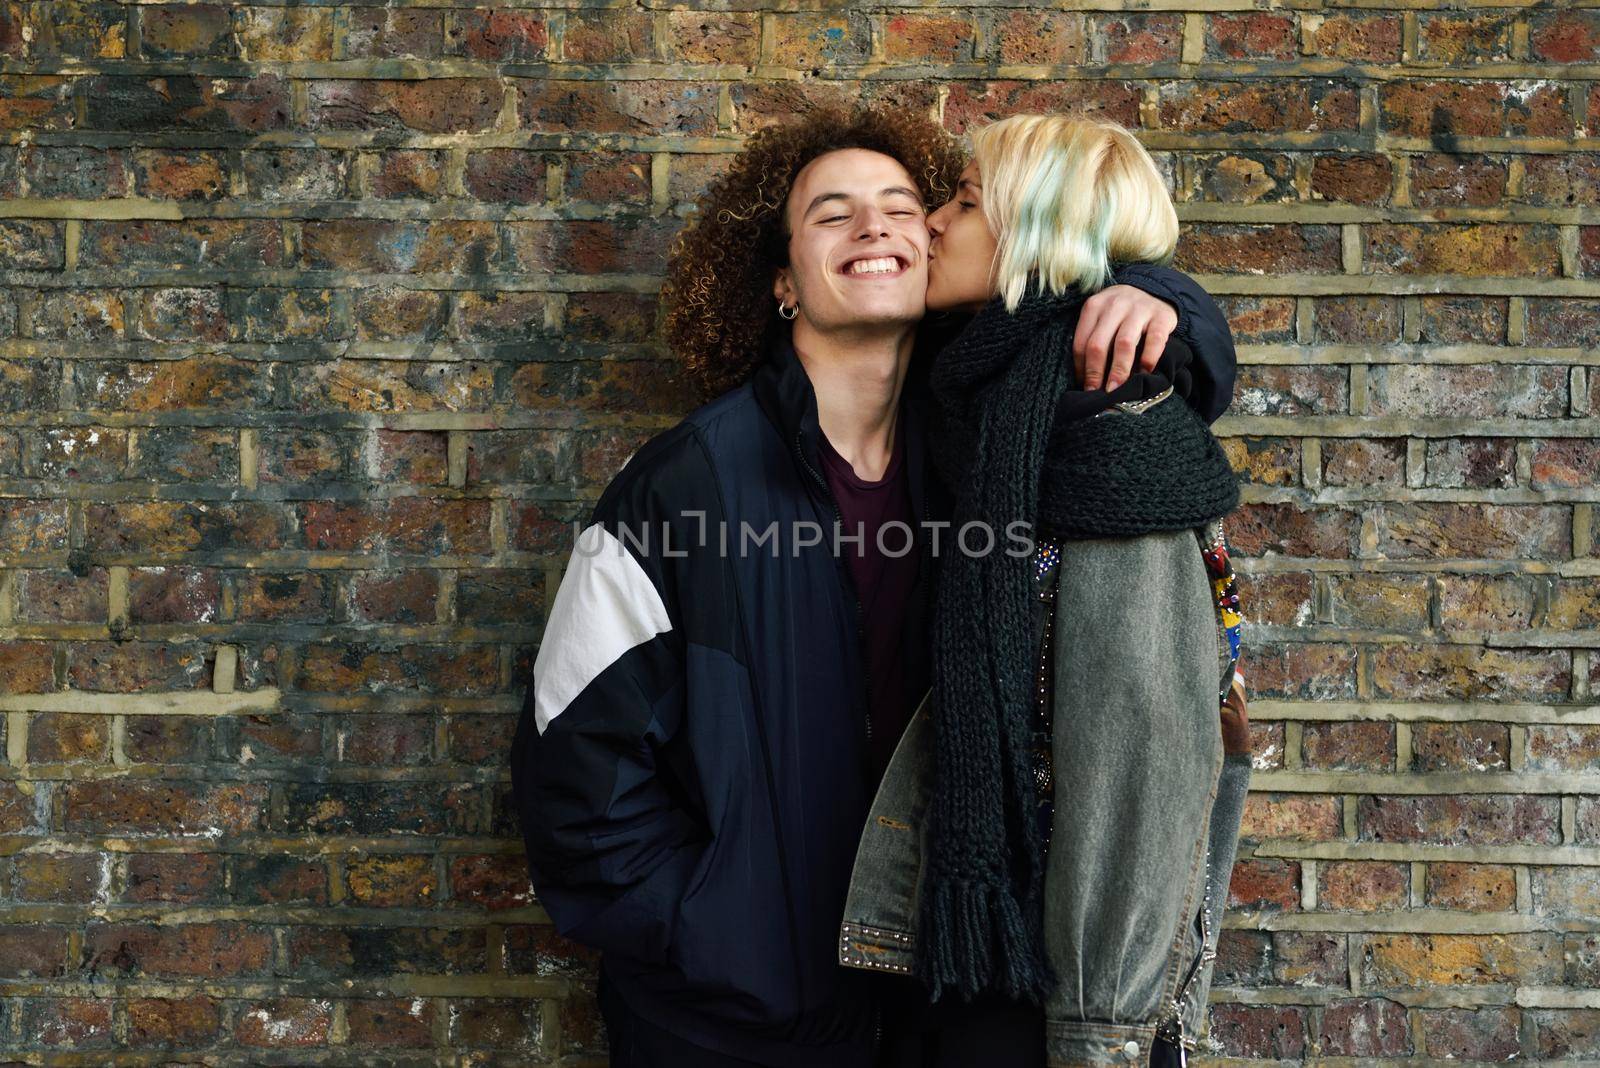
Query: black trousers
(990, 1031)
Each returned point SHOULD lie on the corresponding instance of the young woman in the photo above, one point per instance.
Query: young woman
(1055, 833)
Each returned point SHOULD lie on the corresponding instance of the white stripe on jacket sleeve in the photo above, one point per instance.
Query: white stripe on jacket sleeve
(605, 606)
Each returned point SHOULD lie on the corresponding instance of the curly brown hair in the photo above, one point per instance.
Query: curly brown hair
(721, 316)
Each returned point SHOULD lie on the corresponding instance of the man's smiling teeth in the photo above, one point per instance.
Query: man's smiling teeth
(885, 265)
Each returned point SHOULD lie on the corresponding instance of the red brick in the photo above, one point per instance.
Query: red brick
(1272, 1032)
(927, 39)
(57, 877)
(1255, 36)
(1456, 40)
(1365, 1027)
(1441, 181)
(173, 1023)
(384, 33)
(1485, 1033)
(179, 878)
(285, 1023)
(1479, 819)
(1137, 38)
(494, 882)
(1416, 108)
(390, 1023)
(1292, 816)
(1471, 886)
(1227, 106)
(1354, 746)
(122, 807)
(1265, 884)
(1361, 886)
(392, 881)
(647, 108)
(1039, 37)
(1480, 463)
(1565, 36)
(1461, 746)
(1496, 532)
(194, 950)
(432, 105)
(609, 36)
(1235, 248)
(714, 37)
(1359, 38)
(508, 36)
(70, 1023)
(66, 738)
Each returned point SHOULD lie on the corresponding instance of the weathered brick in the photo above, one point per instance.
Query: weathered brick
(1479, 463)
(173, 1023)
(279, 880)
(1460, 40)
(389, 33)
(1471, 886)
(1357, 462)
(1353, 746)
(187, 102)
(32, 951)
(133, 807)
(285, 1023)
(1265, 1031)
(68, 738)
(976, 103)
(1563, 747)
(1251, 178)
(71, 1023)
(1365, 1027)
(390, 1023)
(1293, 816)
(1568, 892)
(1358, 886)
(928, 38)
(1479, 249)
(1357, 37)
(166, 739)
(1265, 884)
(1478, 819)
(177, 878)
(714, 37)
(1400, 960)
(1256, 249)
(1461, 746)
(50, 596)
(337, 952)
(1288, 530)
(1565, 36)
(57, 877)
(194, 950)
(1496, 532)
(272, 34)
(498, 1024)
(1465, 673)
(1570, 463)
(1440, 109)
(1025, 37)
(1457, 181)
(1265, 461)
(392, 881)
(1381, 601)
(479, 738)
(1486, 1033)
(408, 172)
(433, 105)
(647, 107)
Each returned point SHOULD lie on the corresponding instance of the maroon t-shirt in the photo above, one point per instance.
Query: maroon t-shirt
(884, 579)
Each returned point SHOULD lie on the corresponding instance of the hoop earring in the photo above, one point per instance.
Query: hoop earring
(786, 312)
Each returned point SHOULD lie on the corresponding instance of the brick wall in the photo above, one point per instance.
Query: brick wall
(320, 322)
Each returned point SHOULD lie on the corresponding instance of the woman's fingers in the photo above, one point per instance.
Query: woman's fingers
(1126, 347)
(1088, 319)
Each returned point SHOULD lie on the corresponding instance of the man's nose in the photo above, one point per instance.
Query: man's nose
(874, 224)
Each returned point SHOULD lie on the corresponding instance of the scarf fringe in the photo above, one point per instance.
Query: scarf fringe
(990, 944)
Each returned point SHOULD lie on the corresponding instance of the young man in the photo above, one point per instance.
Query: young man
(718, 689)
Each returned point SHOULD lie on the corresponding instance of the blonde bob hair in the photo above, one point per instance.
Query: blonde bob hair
(1068, 197)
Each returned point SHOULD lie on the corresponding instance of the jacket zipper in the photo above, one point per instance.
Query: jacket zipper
(855, 598)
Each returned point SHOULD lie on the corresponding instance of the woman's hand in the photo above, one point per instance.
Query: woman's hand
(1235, 720)
(1113, 323)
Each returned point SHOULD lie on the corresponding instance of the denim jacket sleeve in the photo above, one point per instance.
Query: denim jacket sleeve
(1201, 324)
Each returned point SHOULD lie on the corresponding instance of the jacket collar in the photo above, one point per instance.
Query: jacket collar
(785, 393)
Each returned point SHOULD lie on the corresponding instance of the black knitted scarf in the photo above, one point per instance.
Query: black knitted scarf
(1014, 439)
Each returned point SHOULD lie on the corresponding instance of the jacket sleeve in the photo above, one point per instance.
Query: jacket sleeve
(1201, 324)
(611, 844)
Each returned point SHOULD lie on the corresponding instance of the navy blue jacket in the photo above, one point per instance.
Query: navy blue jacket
(691, 767)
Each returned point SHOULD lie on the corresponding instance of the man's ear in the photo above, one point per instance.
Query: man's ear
(783, 288)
